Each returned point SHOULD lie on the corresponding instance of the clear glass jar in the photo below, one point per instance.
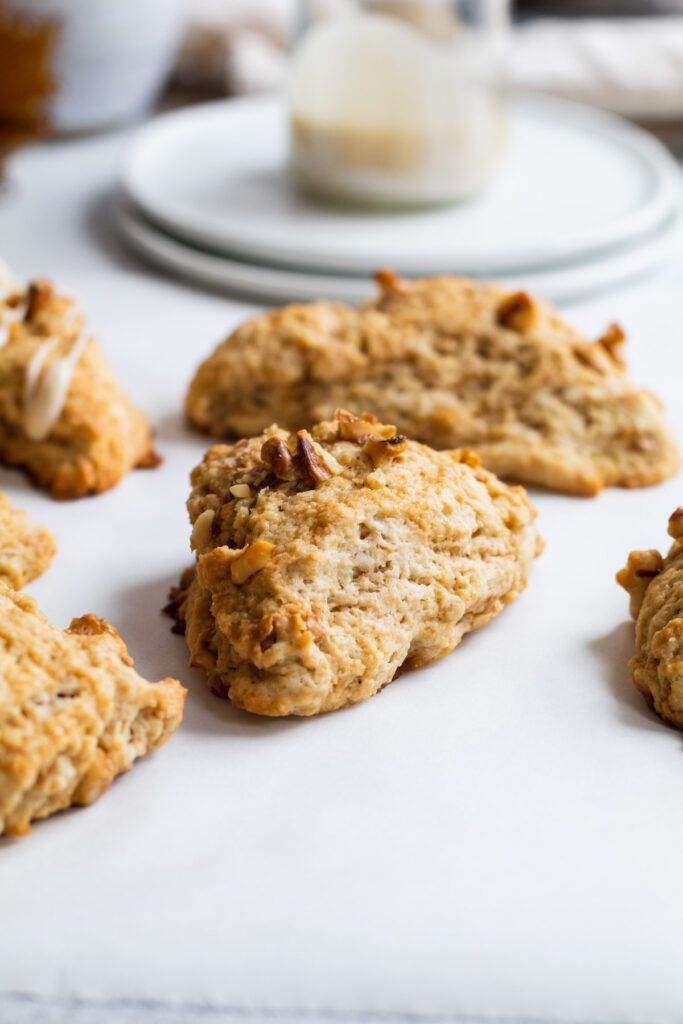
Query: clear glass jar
(398, 102)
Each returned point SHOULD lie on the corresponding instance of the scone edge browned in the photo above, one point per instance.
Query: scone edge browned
(74, 714)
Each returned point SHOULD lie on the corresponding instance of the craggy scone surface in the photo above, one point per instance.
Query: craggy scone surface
(452, 362)
(327, 562)
(26, 549)
(99, 434)
(655, 585)
(73, 712)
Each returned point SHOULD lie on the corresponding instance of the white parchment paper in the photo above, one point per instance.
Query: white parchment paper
(497, 835)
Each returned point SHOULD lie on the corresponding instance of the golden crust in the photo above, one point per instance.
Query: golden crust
(452, 362)
(99, 435)
(74, 714)
(655, 586)
(328, 561)
(26, 550)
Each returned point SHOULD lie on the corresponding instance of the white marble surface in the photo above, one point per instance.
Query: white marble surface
(494, 838)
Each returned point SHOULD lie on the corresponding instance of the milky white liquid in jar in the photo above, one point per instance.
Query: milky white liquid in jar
(380, 113)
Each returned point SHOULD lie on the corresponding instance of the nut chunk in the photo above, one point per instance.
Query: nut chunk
(63, 416)
(337, 557)
(26, 550)
(655, 585)
(73, 712)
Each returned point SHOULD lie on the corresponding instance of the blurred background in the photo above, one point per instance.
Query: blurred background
(70, 66)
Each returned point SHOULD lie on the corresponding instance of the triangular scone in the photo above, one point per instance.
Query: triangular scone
(26, 550)
(327, 562)
(452, 362)
(73, 712)
(73, 429)
(655, 585)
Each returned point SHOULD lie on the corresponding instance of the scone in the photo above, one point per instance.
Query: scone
(26, 550)
(655, 585)
(63, 416)
(327, 562)
(73, 712)
(452, 362)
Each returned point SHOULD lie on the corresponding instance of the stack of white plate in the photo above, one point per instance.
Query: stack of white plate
(584, 202)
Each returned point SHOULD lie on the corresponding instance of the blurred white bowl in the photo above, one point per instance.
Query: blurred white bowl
(112, 56)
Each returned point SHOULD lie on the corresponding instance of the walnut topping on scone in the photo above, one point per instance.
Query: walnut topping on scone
(360, 428)
(675, 528)
(389, 282)
(453, 363)
(385, 448)
(250, 560)
(63, 416)
(655, 586)
(309, 464)
(74, 714)
(40, 296)
(613, 342)
(518, 312)
(332, 577)
(640, 568)
(277, 457)
(26, 550)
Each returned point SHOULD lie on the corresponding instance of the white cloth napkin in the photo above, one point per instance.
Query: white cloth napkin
(630, 65)
(633, 66)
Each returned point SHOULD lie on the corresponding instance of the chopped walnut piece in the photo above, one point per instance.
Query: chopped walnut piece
(470, 458)
(676, 524)
(390, 282)
(361, 428)
(201, 531)
(310, 463)
(517, 311)
(308, 460)
(641, 568)
(612, 341)
(250, 561)
(381, 448)
(277, 456)
(39, 294)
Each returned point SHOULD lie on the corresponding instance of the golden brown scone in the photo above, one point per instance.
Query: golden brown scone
(326, 562)
(26, 550)
(96, 434)
(452, 362)
(73, 712)
(655, 586)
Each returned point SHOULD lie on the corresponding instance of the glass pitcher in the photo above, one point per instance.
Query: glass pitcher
(398, 102)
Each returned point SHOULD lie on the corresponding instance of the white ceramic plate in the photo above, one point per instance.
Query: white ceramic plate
(281, 285)
(576, 181)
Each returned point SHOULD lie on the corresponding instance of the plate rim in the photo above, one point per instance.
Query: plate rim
(668, 194)
(277, 285)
